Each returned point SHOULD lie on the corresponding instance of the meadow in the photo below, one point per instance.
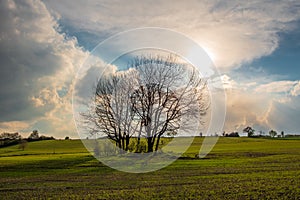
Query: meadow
(237, 168)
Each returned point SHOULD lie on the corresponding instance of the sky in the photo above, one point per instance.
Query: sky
(255, 45)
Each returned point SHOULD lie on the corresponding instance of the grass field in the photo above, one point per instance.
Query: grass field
(237, 168)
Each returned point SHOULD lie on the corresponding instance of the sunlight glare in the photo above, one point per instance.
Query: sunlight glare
(210, 53)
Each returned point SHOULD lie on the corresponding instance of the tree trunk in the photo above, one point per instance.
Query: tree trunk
(121, 139)
(150, 144)
(123, 143)
(157, 143)
(127, 142)
(139, 140)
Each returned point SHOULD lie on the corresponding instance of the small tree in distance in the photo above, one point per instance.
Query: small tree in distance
(34, 135)
(249, 130)
(272, 133)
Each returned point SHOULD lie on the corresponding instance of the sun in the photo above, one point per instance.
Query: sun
(208, 52)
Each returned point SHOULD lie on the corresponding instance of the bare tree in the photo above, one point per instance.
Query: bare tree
(150, 99)
(112, 114)
(168, 91)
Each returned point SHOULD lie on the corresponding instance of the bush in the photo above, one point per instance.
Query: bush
(233, 134)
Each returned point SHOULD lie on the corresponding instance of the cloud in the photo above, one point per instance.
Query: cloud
(39, 61)
(227, 82)
(283, 116)
(14, 126)
(232, 31)
(269, 106)
(287, 87)
(274, 105)
(245, 108)
(296, 90)
(38, 64)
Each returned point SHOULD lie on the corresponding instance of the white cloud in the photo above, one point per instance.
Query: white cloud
(228, 83)
(270, 106)
(245, 108)
(283, 116)
(14, 126)
(287, 87)
(296, 90)
(233, 31)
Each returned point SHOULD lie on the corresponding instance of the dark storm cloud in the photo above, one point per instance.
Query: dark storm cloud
(23, 60)
(36, 62)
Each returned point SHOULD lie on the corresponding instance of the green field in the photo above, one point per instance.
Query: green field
(237, 168)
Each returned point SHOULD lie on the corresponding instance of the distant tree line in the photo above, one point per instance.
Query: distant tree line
(272, 133)
(251, 133)
(8, 139)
